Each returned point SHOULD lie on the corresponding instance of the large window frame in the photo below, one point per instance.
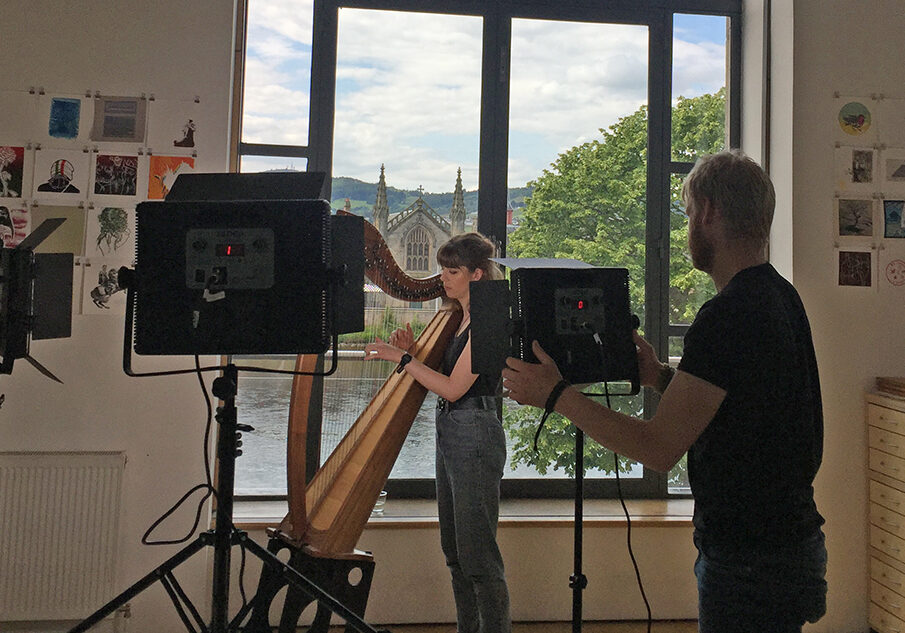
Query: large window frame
(497, 15)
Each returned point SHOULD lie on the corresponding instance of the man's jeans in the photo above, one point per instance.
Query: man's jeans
(471, 454)
(777, 591)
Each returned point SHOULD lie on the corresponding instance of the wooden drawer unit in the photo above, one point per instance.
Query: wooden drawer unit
(886, 523)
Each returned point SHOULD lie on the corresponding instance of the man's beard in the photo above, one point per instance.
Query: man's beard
(701, 249)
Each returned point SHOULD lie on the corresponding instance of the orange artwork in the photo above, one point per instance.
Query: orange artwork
(164, 170)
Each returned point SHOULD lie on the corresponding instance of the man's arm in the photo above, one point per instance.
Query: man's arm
(686, 408)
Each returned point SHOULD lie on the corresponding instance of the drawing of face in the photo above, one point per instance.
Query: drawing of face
(61, 173)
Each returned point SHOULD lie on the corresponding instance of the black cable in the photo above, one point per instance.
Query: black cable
(208, 486)
(628, 525)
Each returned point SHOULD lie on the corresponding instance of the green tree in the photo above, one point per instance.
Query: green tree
(590, 205)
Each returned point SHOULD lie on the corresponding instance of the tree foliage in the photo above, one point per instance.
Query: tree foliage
(590, 205)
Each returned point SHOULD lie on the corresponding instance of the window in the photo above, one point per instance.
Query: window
(422, 118)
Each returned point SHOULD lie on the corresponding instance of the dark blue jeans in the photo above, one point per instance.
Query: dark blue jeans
(776, 591)
(471, 454)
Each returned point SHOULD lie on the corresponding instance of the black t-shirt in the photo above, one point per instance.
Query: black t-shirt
(752, 469)
(485, 384)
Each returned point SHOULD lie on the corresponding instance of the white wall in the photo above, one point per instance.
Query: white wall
(859, 334)
(175, 50)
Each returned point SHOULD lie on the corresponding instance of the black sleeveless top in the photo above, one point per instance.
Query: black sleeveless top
(485, 384)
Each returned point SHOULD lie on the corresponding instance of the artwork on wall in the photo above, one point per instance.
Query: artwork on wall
(12, 171)
(111, 233)
(163, 173)
(855, 217)
(855, 267)
(869, 203)
(63, 120)
(88, 159)
(120, 119)
(61, 175)
(69, 237)
(14, 222)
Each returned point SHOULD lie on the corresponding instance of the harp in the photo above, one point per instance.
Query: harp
(327, 515)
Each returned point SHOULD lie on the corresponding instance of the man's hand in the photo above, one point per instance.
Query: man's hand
(649, 367)
(531, 383)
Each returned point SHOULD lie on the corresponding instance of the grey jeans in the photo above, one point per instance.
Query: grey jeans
(471, 454)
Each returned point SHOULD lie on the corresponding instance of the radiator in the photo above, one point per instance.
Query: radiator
(59, 533)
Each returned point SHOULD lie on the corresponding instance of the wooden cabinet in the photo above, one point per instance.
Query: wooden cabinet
(886, 441)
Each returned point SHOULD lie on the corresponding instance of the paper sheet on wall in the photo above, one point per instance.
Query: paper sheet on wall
(69, 236)
(19, 110)
(64, 120)
(61, 176)
(16, 170)
(110, 233)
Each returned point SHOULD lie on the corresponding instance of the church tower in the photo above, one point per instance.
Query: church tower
(457, 212)
(381, 208)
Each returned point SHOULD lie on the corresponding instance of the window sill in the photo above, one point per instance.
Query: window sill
(514, 513)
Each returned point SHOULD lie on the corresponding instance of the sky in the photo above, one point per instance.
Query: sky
(409, 85)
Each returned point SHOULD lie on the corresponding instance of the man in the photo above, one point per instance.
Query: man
(745, 404)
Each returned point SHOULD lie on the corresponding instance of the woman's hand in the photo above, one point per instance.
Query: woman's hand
(379, 350)
(403, 339)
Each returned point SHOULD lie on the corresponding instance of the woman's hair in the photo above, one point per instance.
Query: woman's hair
(471, 250)
(740, 189)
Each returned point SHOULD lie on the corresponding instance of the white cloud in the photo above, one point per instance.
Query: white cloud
(409, 88)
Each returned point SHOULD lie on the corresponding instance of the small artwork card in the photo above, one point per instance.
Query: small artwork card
(12, 171)
(892, 268)
(64, 120)
(173, 127)
(69, 237)
(61, 175)
(856, 123)
(15, 222)
(111, 233)
(892, 168)
(163, 173)
(115, 175)
(894, 219)
(102, 292)
(855, 267)
(20, 110)
(854, 217)
(120, 119)
(856, 169)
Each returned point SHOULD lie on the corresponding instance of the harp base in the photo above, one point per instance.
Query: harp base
(347, 579)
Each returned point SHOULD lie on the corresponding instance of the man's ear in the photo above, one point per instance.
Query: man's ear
(709, 212)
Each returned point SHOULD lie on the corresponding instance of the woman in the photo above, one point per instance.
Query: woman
(471, 445)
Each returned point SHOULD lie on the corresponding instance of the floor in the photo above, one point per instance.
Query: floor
(659, 626)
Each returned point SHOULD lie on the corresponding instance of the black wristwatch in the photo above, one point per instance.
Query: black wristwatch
(405, 360)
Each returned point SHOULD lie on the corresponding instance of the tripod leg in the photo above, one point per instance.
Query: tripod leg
(108, 609)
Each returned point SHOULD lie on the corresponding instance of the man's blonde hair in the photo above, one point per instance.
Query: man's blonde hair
(739, 188)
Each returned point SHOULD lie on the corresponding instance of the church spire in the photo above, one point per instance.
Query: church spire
(381, 208)
(457, 212)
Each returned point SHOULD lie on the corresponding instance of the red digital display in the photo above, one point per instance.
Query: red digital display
(230, 250)
(580, 304)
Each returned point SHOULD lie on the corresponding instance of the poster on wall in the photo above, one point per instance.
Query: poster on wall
(120, 119)
(163, 172)
(15, 222)
(855, 217)
(892, 171)
(64, 120)
(61, 175)
(69, 237)
(13, 172)
(855, 267)
(19, 110)
(110, 233)
(102, 292)
(856, 169)
(174, 127)
(855, 120)
(894, 219)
